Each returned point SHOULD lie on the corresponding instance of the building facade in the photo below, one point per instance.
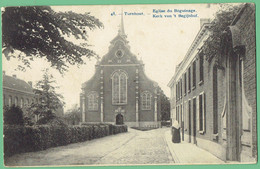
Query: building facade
(120, 87)
(16, 91)
(21, 93)
(216, 105)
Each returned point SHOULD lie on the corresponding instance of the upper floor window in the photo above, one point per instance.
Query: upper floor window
(93, 101)
(201, 61)
(185, 83)
(189, 79)
(177, 97)
(146, 100)
(119, 87)
(181, 88)
(194, 74)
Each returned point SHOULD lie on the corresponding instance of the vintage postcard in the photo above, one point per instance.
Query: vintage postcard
(108, 85)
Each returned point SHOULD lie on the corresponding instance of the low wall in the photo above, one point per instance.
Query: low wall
(152, 124)
(148, 124)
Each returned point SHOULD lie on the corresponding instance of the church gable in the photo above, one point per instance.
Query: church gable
(119, 50)
(120, 83)
(119, 53)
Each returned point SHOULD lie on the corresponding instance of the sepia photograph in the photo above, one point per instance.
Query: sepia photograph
(117, 85)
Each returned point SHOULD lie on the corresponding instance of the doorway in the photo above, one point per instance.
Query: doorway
(215, 102)
(119, 119)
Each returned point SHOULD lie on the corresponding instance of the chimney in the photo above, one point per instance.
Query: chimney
(203, 21)
(14, 76)
(30, 83)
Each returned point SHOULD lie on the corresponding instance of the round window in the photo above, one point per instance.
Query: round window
(119, 53)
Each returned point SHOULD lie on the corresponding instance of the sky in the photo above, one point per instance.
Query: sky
(160, 42)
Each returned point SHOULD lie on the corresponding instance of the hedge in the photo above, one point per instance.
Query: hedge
(21, 139)
(110, 128)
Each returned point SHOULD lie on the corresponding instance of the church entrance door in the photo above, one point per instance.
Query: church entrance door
(119, 119)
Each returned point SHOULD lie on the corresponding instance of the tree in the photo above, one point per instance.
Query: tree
(73, 115)
(13, 115)
(223, 18)
(165, 107)
(39, 31)
(49, 99)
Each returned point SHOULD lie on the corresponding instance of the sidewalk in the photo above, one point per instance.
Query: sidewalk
(187, 153)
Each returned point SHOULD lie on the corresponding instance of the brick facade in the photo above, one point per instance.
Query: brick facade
(223, 105)
(119, 59)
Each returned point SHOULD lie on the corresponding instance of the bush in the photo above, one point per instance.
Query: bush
(20, 139)
(13, 115)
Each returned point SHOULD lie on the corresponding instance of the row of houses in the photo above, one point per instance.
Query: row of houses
(21, 93)
(216, 105)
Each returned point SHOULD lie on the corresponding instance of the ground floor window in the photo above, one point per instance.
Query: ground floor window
(202, 125)
(10, 101)
(22, 103)
(16, 101)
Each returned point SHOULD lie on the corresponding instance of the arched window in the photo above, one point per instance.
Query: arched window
(22, 103)
(93, 101)
(119, 87)
(16, 101)
(146, 98)
(10, 101)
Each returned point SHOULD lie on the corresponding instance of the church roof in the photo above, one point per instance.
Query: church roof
(119, 43)
(13, 82)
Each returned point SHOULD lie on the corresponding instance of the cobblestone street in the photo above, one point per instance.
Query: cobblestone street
(133, 147)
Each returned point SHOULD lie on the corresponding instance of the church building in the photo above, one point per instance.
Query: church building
(120, 87)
